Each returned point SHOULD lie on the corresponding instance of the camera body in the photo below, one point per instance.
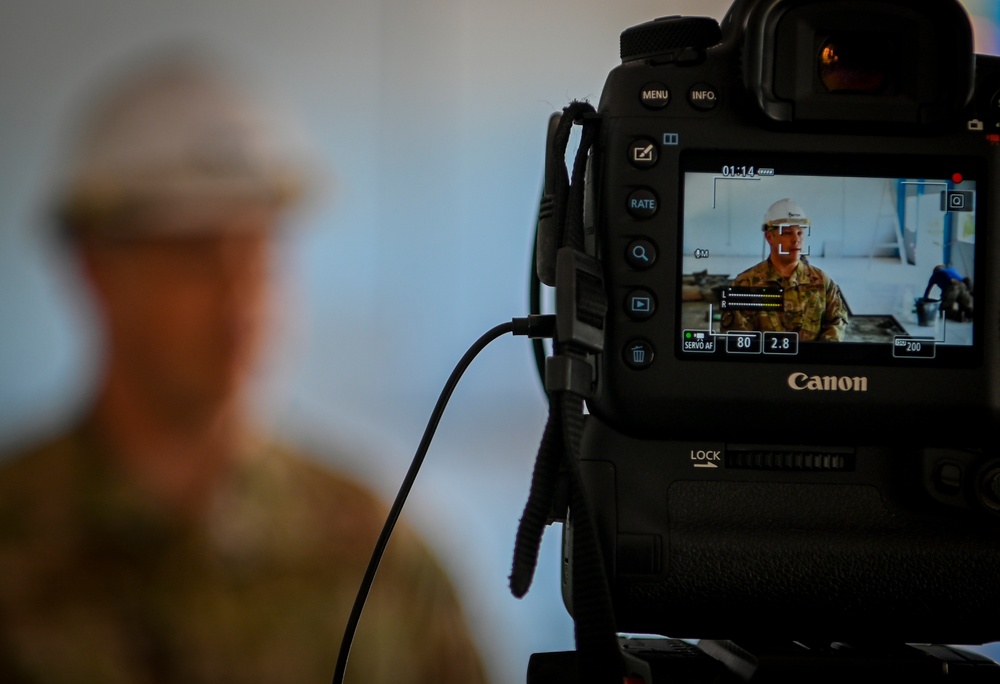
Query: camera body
(837, 476)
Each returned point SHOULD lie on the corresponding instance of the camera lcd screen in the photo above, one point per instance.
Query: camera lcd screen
(831, 259)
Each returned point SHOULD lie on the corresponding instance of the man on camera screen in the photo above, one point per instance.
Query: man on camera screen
(812, 304)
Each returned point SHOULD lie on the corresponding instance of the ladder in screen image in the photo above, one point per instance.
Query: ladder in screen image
(888, 219)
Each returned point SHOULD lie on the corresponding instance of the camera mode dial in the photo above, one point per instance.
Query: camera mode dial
(671, 39)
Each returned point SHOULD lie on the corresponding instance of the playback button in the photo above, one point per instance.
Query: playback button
(640, 304)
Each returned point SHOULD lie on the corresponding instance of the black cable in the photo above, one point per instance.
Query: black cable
(533, 326)
(535, 307)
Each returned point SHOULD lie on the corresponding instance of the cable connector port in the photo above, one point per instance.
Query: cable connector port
(535, 326)
(569, 374)
(581, 303)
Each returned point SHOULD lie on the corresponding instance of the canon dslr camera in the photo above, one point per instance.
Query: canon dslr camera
(795, 400)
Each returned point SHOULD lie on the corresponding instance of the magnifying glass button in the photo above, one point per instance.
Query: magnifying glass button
(640, 254)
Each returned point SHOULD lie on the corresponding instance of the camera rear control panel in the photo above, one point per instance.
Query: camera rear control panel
(657, 96)
(642, 253)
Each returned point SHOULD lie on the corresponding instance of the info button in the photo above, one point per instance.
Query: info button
(703, 96)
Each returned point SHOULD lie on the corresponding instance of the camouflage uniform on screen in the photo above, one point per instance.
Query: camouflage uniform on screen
(813, 304)
(97, 584)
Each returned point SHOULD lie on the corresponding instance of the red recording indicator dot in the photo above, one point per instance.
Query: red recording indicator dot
(956, 178)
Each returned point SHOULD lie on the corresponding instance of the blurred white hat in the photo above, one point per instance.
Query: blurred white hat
(180, 132)
(785, 211)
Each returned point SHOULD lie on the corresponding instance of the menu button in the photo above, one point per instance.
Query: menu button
(654, 95)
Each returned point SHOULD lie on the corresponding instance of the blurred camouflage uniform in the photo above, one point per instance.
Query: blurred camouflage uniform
(98, 584)
(103, 582)
(813, 305)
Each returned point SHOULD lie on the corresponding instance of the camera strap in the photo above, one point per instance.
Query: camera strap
(557, 482)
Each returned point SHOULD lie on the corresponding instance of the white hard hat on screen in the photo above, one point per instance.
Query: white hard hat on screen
(784, 212)
(179, 132)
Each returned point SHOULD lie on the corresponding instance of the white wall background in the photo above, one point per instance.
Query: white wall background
(430, 118)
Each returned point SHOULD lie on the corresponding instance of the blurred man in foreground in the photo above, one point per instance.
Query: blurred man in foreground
(163, 539)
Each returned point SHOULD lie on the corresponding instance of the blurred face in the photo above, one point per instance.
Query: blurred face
(786, 243)
(186, 305)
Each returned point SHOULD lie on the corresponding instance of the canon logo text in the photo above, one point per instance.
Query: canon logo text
(827, 383)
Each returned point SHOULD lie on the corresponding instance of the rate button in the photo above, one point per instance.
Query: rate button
(642, 203)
